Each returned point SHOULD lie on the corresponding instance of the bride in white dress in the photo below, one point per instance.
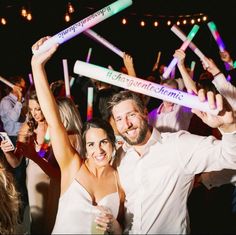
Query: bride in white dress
(86, 185)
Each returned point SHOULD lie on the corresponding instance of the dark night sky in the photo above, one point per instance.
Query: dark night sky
(142, 43)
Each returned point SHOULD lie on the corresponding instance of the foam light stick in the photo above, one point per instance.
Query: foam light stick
(174, 61)
(45, 145)
(211, 25)
(175, 29)
(84, 24)
(31, 79)
(89, 55)
(141, 86)
(90, 33)
(90, 103)
(6, 82)
(72, 80)
(66, 77)
(172, 74)
(192, 66)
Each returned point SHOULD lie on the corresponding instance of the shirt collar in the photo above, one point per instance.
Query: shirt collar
(155, 137)
(12, 96)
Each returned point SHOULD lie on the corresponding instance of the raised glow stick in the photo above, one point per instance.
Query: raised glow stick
(192, 66)
(90, 33)
(158, 57)
(174, 61)
(89, 55)
(6, 82)
(141, 86)
(72, 80)
(211, 25)
(90, 103)
(172, 74)
(66, 77)
(45, 145)
(175, 29)
(84, 24)
(31, 79)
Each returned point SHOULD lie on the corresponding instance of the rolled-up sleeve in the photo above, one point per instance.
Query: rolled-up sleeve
(203, 154)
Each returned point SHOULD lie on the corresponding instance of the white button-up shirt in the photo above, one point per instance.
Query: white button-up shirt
(158, 183)
(10, 110)
(175, 120)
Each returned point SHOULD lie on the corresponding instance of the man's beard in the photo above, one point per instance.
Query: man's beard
(141, 137)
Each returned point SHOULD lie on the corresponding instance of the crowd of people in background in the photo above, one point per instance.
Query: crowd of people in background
(141, 165)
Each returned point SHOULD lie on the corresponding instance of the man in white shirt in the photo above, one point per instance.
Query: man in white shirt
(157, 169)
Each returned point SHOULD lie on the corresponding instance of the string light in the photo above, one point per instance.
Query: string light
(29, 16)
(146, 19)
(124, 21)
(67, 17)
(142, 23)
(3, 21)
(155, 23)
(168, 22)
(70, 8)
(23, 11)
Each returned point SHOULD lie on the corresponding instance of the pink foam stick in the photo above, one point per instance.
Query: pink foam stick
(66, 77)
(90, 103)
(89, 55)
(174, 61)
(31, 79)
(90, 33)
(175, 29)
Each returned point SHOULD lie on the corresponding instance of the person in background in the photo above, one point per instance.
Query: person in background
(13, 114)
(9, 203)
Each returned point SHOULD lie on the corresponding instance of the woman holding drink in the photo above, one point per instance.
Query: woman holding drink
(87, 185)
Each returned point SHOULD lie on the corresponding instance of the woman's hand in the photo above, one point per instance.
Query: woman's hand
(224, 119)
(42, 58)
(106, 221)
(6, 146)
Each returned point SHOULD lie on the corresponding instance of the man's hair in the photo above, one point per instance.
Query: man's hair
(16, 79)
(126, 95)
(170, 82)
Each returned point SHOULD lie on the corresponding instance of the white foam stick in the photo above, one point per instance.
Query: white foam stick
(174, 61)
(158, 57)
(84, 24)
(31, 79)
(90, 33)
(66, 77)
(72, 80)
(141, 86)
(175, 29)
(89, 55)
(6, 82)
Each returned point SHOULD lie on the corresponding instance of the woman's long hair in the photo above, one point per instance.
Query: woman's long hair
(9, 202)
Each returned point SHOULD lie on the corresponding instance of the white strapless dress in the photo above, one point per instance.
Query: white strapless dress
(76, 212)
